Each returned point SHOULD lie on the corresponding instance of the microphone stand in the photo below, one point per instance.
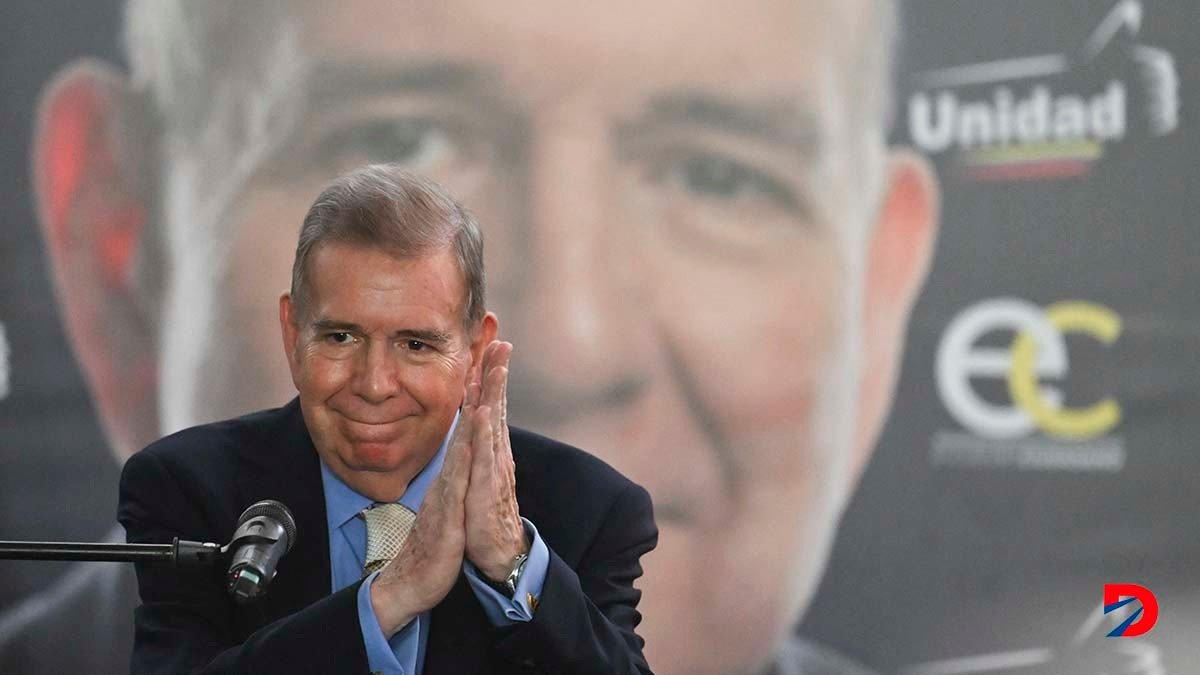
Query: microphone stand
(179, 553)
(266, 531)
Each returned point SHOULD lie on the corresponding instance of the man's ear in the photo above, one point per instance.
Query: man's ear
(489, 327)
(90, 183)
(899, 250)
(290, 330)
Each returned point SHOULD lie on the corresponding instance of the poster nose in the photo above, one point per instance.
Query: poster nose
(577, 320)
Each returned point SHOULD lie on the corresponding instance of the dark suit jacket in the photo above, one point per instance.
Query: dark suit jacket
(195, 484)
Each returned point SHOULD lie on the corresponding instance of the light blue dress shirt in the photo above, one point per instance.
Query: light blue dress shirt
(404, 652)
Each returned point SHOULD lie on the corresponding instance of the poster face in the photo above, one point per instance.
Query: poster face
(888, 308)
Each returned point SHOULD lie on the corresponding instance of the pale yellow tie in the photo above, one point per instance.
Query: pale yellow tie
(388, 526)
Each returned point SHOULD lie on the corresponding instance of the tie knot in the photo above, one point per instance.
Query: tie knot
(388, 526)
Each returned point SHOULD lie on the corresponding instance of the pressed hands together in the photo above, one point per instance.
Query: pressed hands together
(470, 510)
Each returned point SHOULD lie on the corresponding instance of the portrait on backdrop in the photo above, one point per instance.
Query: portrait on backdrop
(697, 239)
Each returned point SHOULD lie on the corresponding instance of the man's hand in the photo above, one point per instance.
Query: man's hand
(495, 534)
(471, 508)
(428, 563)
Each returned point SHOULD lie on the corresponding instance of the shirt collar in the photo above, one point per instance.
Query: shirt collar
(342, 503)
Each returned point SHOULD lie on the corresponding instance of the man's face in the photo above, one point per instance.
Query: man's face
(672, 247)
(380, 358)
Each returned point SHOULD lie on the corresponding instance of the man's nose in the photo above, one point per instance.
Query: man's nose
(375, 377)
(576, 318)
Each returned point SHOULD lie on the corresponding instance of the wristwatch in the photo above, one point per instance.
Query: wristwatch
(508, 587)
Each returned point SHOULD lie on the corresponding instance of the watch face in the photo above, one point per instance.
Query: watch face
(514, 576)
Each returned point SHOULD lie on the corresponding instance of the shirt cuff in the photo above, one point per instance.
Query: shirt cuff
(381, 650)
(502, 610)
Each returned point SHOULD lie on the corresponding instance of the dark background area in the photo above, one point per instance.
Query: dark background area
(48, 433)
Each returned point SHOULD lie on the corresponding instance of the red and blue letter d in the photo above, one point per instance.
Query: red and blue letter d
(1141, 621)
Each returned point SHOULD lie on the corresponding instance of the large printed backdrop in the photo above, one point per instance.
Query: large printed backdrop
(1042, 439)
(1065, 155)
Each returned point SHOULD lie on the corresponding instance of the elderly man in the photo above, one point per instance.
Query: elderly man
(697, 237)
(401, 417)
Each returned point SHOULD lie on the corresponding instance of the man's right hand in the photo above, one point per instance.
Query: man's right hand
(429, 562)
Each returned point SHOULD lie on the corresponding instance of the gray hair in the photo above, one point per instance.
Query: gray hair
(382, 206)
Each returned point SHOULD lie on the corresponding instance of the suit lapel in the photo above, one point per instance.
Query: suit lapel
(284, 466)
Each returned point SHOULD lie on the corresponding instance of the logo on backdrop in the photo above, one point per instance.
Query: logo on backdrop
(1048, 116)
(1025, 423)
(1139, 622)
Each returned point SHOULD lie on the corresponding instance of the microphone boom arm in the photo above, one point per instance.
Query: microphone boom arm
(265, 532)
(179, 553)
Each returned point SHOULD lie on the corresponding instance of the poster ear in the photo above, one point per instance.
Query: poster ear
(90, 182)
(900, 248)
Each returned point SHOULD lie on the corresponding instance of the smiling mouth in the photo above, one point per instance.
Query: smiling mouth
(371, 423)
(371, 429)
(372, 419)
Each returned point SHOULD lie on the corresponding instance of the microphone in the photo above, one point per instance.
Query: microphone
(266, 531)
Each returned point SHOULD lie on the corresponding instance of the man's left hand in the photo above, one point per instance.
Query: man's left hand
(495, 533)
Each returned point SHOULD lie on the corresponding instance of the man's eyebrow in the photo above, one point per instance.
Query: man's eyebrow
(770, 122)
(434, 337)
(430, 335)
(331, 325)
(341, 79)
